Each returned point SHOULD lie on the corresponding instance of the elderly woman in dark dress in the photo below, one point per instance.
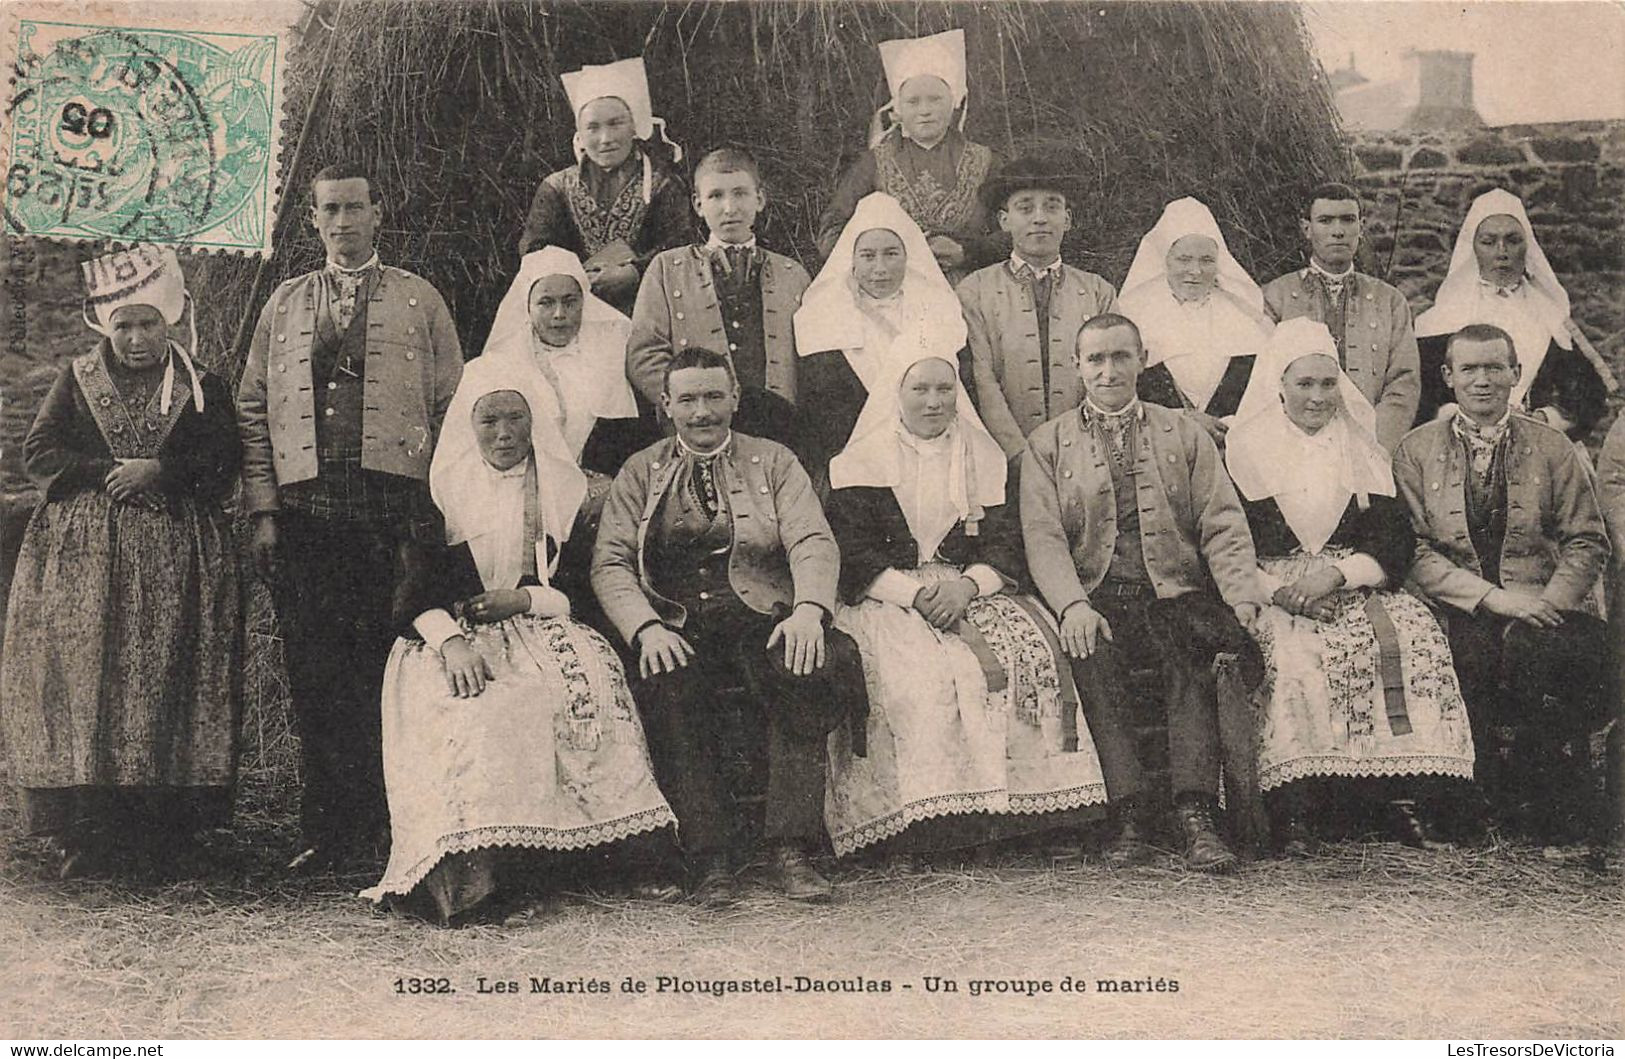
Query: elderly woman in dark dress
(508, 726)
(120, 690)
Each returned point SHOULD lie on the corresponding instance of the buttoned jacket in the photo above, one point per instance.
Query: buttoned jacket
(783, 551)
(1555, 544)
(413, 363)
(1611, 492)
(678, 307)
(1007, 364)
(1378, 343)
(1190, 516)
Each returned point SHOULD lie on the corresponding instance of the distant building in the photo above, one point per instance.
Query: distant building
(1435, 93)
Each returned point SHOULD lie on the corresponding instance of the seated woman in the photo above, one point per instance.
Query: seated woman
(923, 160)
(120, 693)
(622, 202)
(1201, 317)
(879, 297)
(1499, 275)
(551, 322)
(972, 710)
(1358, 677)
(551, 756)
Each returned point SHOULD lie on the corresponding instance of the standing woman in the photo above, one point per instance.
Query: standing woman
(622, 202)
(1499, 275)
(121, 685)
(880, 297)
(1359, 686)
(551, 323)
(507, 725)
(1201, 317)
(972, 710)
(922, 159)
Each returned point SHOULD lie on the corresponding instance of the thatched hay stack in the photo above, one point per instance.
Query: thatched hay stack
(458, 109)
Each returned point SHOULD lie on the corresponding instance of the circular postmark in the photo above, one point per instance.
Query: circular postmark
(135, 135)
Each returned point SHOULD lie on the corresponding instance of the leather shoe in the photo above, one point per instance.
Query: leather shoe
(1413, 828)
(1127, 848)
(1295, 838)
(792, 874)
(1204, 849)
(716, 887)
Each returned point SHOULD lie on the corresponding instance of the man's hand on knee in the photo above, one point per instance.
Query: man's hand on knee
(803, 636)
(1083, 628)
(662, 650)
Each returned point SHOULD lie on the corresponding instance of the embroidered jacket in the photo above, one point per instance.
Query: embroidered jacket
(413, 363)
(1005, 359)
(783, 551)
(1554, 545)
(678, 306)
(1192, 527)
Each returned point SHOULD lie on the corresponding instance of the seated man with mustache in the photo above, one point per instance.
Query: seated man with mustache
(714, 561)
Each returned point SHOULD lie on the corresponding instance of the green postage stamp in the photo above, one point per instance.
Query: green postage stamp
(143, 134)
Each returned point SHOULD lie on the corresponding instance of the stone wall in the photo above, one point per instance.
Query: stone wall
(1571, 177)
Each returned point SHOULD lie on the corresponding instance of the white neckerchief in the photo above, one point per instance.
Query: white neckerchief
(371, 262)
(1316, 505)
(715, 243)
(1199, 371)
(499, 555)
(693, 453)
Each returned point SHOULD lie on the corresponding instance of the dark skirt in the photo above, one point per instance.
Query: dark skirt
(120, 687)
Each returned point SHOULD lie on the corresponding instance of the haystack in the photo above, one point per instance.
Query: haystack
(458, 110)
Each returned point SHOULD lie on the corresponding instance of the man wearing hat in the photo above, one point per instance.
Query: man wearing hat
(715, 563)
(1023, 313)
(349, 373)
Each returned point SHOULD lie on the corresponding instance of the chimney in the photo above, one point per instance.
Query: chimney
(1444, 91)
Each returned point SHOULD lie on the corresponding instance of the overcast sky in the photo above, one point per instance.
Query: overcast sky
(1537, 60)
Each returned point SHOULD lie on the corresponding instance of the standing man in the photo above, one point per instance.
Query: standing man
(1509, 545)
(1123, 504)
(1022, 314)
(1611, 492)
(715, 563)
(1369, 320)
(349, 373)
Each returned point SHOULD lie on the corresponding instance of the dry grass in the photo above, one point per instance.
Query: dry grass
(457, 109)
(1369, 941)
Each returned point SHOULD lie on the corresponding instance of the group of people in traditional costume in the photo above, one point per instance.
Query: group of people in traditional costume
(942, 540)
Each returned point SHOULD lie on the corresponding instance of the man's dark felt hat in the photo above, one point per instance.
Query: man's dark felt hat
(1050, 170)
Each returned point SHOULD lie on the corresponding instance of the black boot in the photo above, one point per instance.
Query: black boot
(1128, 846)
(1205, 850)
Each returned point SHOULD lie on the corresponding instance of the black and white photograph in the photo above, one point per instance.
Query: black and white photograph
(812, 519)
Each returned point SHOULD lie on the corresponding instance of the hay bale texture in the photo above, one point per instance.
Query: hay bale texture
(458, 109)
